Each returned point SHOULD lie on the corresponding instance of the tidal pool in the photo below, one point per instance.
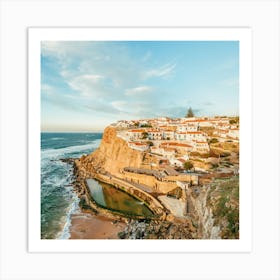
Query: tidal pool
(111, 198)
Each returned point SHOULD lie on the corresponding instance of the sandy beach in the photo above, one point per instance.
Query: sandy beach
(90, 226)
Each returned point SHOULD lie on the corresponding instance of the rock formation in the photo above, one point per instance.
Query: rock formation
(114, 154)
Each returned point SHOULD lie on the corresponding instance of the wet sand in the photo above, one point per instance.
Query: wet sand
(90, 226)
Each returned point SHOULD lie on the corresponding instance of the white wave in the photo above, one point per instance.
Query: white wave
(56, 153)
(74, 208)
(48, 167)
(57, 138)
(55, 181)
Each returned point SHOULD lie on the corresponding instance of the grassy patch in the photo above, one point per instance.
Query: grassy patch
(223, 198)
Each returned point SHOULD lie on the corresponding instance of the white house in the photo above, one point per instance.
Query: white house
(185, 157)
(155, 135)
(178, 146)
(186, 127)
(166, 152)
(156, 150)
(169, 152)
(176, 162)
(202, 122)
(205, 123)
(181, 136)
(201, 147)
(168, 134)
(196, 135)
(220, 122)
(234, 133)
(190, 136)
(135, 134)
(221, 133)
(138, 146)
(143, 122)
(123, 124)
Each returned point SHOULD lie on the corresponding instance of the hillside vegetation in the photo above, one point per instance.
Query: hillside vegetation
(223, 198)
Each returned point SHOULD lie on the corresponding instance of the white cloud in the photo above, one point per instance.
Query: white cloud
(51, 48)
(88, 85)
(138, 90)
(147, 56)
(46, 89)
(64, 49)
(92, 78)
(119, 105)
(232, 82)
(162, 71)
(105, 109)
(208, 103)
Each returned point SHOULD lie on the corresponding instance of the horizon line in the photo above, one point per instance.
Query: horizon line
(72, 131)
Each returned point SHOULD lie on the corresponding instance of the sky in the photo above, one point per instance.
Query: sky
(86, 85)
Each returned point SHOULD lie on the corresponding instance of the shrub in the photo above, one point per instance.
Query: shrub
(150, 143)
(188, 165)
(213, 141)
(215, 165)
(225, 154)
(144, 135)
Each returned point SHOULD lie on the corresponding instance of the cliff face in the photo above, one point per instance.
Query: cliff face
(217, 209)
(114, 153)
(205, 217)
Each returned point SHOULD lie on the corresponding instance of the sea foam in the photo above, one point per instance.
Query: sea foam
(56, 153)
(74, 208)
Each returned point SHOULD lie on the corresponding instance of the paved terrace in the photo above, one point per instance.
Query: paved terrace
(157, 174)
(176, 207)
(168, 170)
(142, 187)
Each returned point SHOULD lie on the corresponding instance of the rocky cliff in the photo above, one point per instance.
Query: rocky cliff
(217, 209)
(113, 154)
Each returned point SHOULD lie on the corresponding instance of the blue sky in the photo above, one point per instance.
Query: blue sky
(86, 85)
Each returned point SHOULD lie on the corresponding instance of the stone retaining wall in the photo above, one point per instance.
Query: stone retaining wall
(166, 185)
(82, 174)
(151, 202)
(149, 180)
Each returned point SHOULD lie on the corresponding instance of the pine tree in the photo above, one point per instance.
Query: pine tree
(190, 113)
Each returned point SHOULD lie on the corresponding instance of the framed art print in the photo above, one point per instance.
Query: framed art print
(140, 139)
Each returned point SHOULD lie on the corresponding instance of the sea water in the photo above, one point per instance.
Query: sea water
(111, 198)
(58, 200)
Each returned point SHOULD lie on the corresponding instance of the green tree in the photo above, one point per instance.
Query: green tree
(190, 113)
(150, 143)
(145, 135)
(213, 141)
(188, 165)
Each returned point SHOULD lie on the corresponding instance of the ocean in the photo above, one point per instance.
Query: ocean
(58, 200)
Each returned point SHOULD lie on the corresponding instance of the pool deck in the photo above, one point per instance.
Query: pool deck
(175, 206)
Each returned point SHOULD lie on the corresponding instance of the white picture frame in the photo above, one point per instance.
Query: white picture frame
(261, 262)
